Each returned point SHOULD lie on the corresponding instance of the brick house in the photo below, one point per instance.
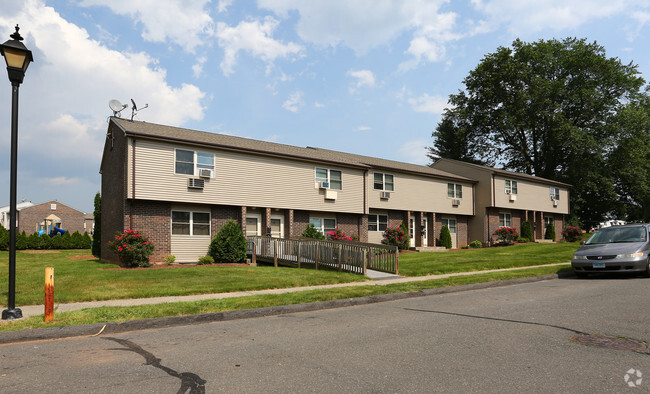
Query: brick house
(51, 213)
(507, 198)
(179, 186)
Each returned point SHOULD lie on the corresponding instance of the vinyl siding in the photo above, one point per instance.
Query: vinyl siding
(242, 180)
(530, 196)
(424, 194)
(188, 249)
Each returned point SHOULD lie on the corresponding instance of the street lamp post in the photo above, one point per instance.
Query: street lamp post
(17, 57)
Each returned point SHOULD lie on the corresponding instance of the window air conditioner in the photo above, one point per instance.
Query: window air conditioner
(513, 197)
(384, 195)
(195, 183)
(205, 173)
(455, 202)
(324, 185)
(554, 202)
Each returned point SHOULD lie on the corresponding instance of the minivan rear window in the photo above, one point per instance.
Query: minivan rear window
(618, 235)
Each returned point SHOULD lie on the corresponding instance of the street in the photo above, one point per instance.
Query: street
(507, 339)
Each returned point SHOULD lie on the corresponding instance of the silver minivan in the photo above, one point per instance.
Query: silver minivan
(614, 249)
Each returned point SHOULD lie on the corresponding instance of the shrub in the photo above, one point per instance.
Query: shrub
(34, 241)
(66, 241)
(506, 234)
(312, 232)
(4, 238)
(476, 244)
(338, 235)
(522, 240)
(394, 236)
(527, 231)
(407, 238)
(550, 232)
(87, 241)
(96, 246)
(170, 259)
(572, 234)
(21, 241)
(205, 260)
(132, 248)
(229, 244)
(76, 240)
(464, 246)
(445, 237)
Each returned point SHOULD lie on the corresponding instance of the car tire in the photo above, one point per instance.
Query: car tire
(581, 275)
(647, 269)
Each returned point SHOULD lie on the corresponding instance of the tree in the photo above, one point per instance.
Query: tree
(229, 244)
(445, 237)
(543, 108)
(550, 232)
(527, 230)
(97, 234)
(312, 232)
(451, 141)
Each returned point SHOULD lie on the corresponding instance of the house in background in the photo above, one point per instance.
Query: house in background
(51, 214)
(507, 198)
(5, 212)
(179, 186)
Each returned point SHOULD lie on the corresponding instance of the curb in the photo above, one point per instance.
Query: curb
(50, 333)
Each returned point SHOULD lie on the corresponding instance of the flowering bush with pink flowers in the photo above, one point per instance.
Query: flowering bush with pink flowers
(572, 234)
(338, 235)
(395, 236)
(506, 234)
(132, 248)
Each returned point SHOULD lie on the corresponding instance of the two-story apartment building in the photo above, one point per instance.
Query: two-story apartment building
(507, 198)
(179, 186)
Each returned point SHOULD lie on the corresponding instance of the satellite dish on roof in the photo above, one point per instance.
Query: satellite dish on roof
(116, 107)
(135, 110)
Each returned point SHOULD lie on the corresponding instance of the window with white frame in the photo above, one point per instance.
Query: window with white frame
(454, 190)
(190, 223)
(383, 182)
(548, 220)
(324, 225)
(377, 222)
(331, 176)
(188, 162)
(511, 187)
(555, 193)
(505, 219)
(450, 223)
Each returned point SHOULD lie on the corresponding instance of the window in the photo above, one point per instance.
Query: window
(323, 225)
(454, 190)
(504, 219)
(185, 160)
(555, 193)
(377, 222)
(451, 225)
(384, 182)
(190, 223)
(548, 220)
(331, 176)
(511, 187)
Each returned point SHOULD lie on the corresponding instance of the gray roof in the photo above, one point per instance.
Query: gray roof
(229, 142)
(507, 173)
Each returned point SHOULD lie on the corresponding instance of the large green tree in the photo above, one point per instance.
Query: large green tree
(97, 234)
(542, 108)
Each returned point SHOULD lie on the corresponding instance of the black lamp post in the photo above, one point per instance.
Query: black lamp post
(17, 57)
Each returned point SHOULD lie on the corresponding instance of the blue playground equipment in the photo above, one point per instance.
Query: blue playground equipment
(56, 231)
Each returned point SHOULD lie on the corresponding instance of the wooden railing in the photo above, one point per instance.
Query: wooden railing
(352, 257)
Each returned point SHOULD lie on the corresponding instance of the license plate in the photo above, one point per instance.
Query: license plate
(599, 265)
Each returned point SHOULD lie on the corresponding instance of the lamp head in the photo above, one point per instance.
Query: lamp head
(17, 57)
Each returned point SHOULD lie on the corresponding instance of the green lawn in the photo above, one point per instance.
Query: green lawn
(518, 255)
(80, 277)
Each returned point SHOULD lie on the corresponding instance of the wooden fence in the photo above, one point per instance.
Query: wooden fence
(352, 257)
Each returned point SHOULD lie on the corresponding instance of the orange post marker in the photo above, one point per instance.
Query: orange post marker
(49, 294)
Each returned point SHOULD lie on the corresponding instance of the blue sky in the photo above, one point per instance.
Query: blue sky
(369, 77)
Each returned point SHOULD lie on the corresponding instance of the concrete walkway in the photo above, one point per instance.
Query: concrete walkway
(379, 278)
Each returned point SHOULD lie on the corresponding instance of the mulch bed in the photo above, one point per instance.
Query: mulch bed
(165, 266)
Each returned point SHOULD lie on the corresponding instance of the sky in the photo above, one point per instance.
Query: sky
(369, 77)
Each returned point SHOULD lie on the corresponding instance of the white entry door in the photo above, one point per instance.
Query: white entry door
(451, 224)
(425, 236)
(253, 224)
(412, 231)
(277, 226)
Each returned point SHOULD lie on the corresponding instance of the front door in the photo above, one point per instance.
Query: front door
(425, 235)
(253, 225)
(412, 231)
(451, 225)
(277, 226)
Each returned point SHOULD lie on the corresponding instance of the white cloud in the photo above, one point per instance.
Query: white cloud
(429, 104)
(414, 152)
(184, 23)
(255, 38)
(197, 69)
(363, 77)
(521, 16)
(641, 18)
(364, 128)
(223, 5)
(59, 181)
(294, 102)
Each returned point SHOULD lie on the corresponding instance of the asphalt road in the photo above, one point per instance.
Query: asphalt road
(506, 339)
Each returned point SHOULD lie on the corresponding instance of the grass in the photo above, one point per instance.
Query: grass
(116, 314)
(518, 255)
(80, 277)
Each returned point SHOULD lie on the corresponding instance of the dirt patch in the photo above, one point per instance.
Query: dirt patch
(39, 251)
(165, 266)
(82, 257)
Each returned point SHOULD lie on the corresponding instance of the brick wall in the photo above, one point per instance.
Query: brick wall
(153, 219)
(113, 208)
(348, 223)
(71, 219)
(300, 222)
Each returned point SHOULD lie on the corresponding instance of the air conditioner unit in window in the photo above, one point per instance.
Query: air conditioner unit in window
(455, 202)
(513, 197)
(195, 183)
(324, 185)
(205, 173)
(384, 195)
(554, 203)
